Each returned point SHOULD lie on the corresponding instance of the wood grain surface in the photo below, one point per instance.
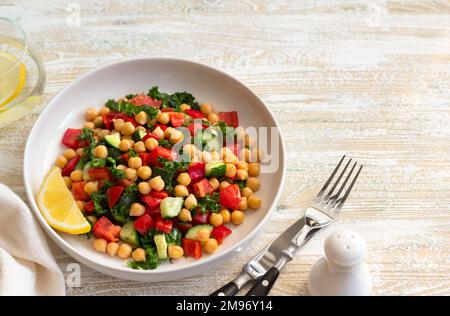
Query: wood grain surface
(369, 79)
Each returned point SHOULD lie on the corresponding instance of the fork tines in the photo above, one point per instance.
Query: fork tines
(334, 200)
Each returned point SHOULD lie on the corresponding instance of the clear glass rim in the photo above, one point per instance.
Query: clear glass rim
(25, 40)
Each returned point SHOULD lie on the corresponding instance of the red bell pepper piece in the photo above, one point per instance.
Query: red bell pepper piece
(200, 219)
(89, 207)
(192, 248)
(167, 110)
(67, 170)
(113, 194)
(153, 212)
(146, 158)
(164, 225)
(231, 118)
(176, 119)
(220, 233)
(162, 126)
(159, 194)
(230, 197)
(104, 228)
(202, 188)
(124, 183)
(149, 135)
(145, 100)
(194, 127)
(159, 151)
(196, 114)
(71, 139)
(78, 191)
(196, 170)
(183, 227)
(111, 116)
(151, 201)
(101, 173)
(143, 224)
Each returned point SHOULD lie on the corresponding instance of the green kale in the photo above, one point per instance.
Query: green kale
(87, 134)
(147, 241)
(174, 237)
(114, 153)
(151, 260)
(132, 153)
(155, 94)
(121, 210)
(98, 163)
(130, 109)
(117, 173)
(168, 171)
(173, 100)
(164, 143)
(209, 203)
(130, 96)
(100, 203)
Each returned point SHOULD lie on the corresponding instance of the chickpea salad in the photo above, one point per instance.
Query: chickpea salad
(159, 176)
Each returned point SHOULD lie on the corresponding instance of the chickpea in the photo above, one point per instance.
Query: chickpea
(118, 124)
(205, 108)
(163, 118)
(151, 143)
(223, 185)
(242, 165)
(210, 245)
(185, 215)
(253, 183)
(243, 205)
(141, 118)
(103, 133)
(254, 202)
(213, 118)
(248, 141)
(131, 174)
(190, 150)
(91, 186)
(203, 235)
(96, 138)
(144, 188)
(104, 110)
(181, 190)
(112, 248)
(89, 125)
(80, 152)
(176, 136)
(100, 245)
(69, 153)
(100, 151)
(184, 107)
(256, 155)
(206, 156)
(215, 156)
(228, 156)
(247, 192)
(124, 145)
(226, 215)
(121, 167)
(190, 202)
(214, 183)
(244, 154)
(168, 132)
(92, 219)
(137, 209)
(124, 251)
(80, 204)
(157, 183)
(239, 132)
(241, 174)
(128, 128)
(91, 114)
(98, 121)
(216, 219)
(253, 169)
(68, 182)
(144, 172)
(138, 254)
(184, 178)
(141, 129)
(230, 170)
(76, 175)
(61, 161)
(158, 132)
(139, 147)
(134, 162)
(175, 252)
(237, 217)
(128, 138)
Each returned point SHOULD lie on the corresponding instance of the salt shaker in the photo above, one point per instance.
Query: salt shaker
(342, 271)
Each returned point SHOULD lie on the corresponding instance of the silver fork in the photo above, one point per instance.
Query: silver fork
(322, 211)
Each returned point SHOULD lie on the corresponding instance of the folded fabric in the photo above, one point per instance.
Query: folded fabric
(27, 266)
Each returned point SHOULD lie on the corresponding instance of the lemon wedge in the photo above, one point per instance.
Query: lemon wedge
(13, 81)
(58, 206)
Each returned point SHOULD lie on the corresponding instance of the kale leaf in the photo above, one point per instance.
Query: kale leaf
(173, 100)
(209, 203)
(168, 171)
(130, 109)
(174, 237)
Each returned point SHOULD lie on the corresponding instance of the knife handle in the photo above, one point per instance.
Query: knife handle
(264, 284)
(229, 289)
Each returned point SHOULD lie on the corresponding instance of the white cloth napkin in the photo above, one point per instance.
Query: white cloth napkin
(27, 266)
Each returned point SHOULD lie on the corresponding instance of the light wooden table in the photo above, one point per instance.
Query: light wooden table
(369, 80)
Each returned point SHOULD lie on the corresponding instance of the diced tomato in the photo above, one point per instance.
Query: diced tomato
(162, 126)
(89, 207)
(151, 201)
(231, 118)
(183, 227)
(195, 113)
(70, 166)
(230, 197)
(143, 224)
(159, 151)
(202, 188)
(220, 233)
(145, 100)
(124, 183)
(194, 127)
(101, 173)
(149, 135)
(159, 194)
(153, 212)
(71, 139)
(78, 191)
(192, 248)
(113, 194)
(200, 218)
(164, 225)
(105, 229)
(196, 170)
(176, 119)
(146, 158)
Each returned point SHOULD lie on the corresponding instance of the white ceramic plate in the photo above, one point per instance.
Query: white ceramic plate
(133, 76)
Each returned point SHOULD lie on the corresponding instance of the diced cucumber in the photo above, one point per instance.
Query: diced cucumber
(215, 169)
(161, 246)
(129, 234)
(192, 232)
(138, 135)
(113, 139)
(211, 140)
(171, 207)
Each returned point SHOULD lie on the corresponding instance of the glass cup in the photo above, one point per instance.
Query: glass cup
(22, 76)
